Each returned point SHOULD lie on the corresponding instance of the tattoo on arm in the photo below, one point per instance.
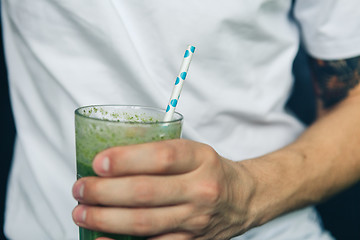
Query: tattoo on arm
(334, 79)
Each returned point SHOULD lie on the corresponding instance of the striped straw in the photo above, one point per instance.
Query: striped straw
(179, 83)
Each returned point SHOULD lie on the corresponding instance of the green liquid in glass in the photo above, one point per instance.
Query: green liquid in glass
(101, 127)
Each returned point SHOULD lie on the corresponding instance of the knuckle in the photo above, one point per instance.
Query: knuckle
(166, 158)
(143, 192)
(209, 192)
(211, 155)
(201, 222)
(142, 223)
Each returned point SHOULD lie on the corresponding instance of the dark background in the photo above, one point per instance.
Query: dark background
(7, 134)
(340, 214)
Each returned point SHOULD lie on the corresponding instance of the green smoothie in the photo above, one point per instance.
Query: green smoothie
(101, 127)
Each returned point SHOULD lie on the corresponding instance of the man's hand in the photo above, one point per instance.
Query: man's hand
(175, 189)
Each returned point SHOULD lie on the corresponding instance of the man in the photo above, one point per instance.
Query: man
(248, 163)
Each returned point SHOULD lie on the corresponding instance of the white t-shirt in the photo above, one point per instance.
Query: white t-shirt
(62, 54)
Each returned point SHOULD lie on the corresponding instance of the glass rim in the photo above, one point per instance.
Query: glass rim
(78, 113)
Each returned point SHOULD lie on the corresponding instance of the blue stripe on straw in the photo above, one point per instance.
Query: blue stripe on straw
(192, 49)
(168, 108)
(177, 81)
(183, 75)
(173, 102)
(187, 53)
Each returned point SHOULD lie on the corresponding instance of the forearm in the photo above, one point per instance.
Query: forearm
(323, 161)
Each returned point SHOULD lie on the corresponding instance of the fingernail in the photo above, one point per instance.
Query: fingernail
(105, 164)
(80, 214)
(101, 165)
(78, 191)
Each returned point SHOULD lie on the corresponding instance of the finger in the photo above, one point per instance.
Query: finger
(173, 236)
(132, 191)
(166, 157)
(130, 221)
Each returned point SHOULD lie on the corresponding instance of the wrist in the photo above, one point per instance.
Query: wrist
(240, 191)
(277, 181)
